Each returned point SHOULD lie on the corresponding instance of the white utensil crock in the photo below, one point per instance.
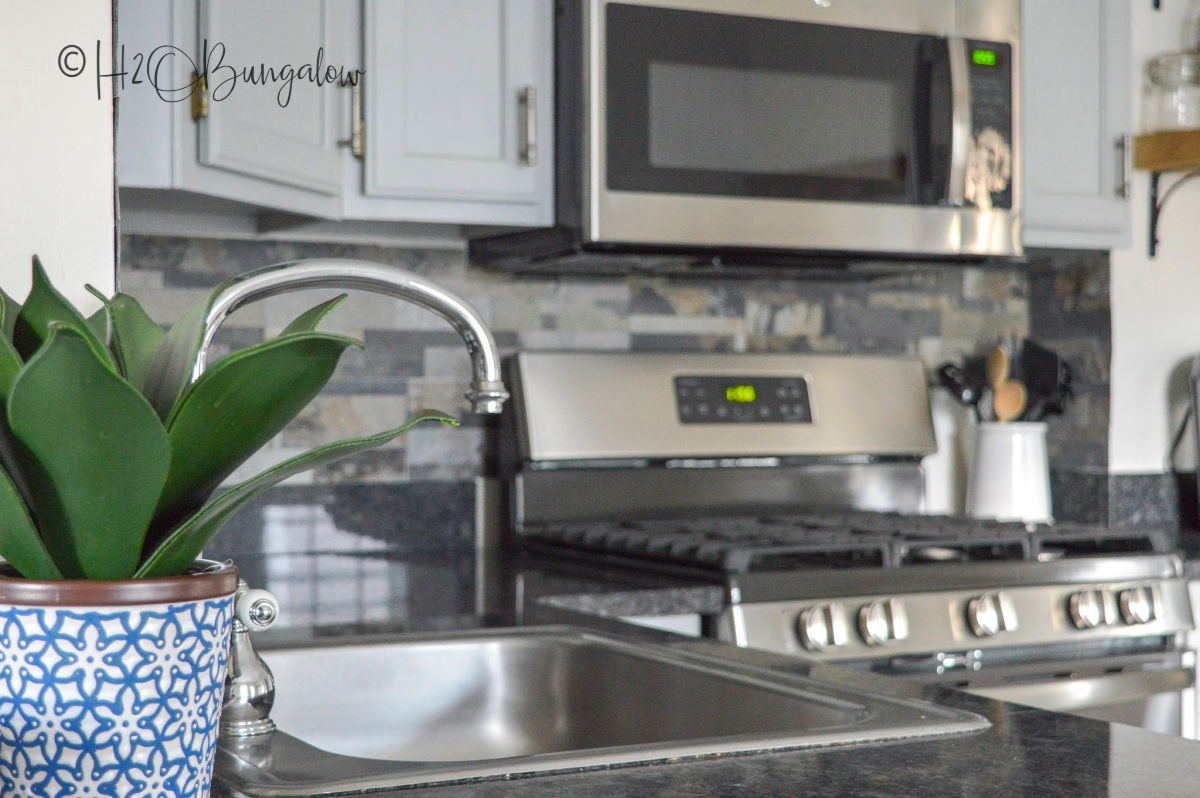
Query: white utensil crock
(1010, 473)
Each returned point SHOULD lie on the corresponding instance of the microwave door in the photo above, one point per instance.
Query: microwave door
(715, 105)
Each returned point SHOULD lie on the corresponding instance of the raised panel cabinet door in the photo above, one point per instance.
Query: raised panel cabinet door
(448, 93)
(1075, 88)
(272, 108)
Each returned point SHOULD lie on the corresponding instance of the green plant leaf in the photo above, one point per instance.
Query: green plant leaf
(9, 308)
(309, 320)
(235, 407)
(135, 337)
(94, 456)
(10, 367)
(19, 541)
(179, 549)
(46, 307)
(171, 367)
(101, 321)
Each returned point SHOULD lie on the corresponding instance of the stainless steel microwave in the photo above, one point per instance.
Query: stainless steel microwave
(880, 127)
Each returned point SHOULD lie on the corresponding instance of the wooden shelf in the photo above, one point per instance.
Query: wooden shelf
(1167, 151)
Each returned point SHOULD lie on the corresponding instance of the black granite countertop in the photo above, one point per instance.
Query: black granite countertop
(352, 590)
(1024, 752)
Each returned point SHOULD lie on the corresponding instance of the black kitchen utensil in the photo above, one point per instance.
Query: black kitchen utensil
(1058, 402)
(955, 381)
(1047, 378)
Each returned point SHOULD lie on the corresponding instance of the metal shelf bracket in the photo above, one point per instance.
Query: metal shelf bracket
(1158, 203)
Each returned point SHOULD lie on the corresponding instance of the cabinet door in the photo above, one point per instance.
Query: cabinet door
(445, 118)
(1075, 88)
(265, 124)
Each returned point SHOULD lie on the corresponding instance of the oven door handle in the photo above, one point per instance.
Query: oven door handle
(1066, 695)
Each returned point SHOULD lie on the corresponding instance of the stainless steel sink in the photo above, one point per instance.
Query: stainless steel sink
(497, 703)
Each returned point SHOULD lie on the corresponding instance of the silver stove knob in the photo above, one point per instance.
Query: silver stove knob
(883, 621)
(991, 614)
(1087, 609)
(1137, 605)
(822, 626)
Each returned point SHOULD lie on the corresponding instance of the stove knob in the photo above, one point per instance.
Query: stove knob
(883, 621)
(822, 626)
(1137, 605)
(1087, 609)
(991, 614)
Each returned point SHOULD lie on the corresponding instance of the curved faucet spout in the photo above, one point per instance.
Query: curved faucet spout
(486, 394)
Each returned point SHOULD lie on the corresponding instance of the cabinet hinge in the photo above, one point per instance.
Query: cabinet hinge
(199, 96)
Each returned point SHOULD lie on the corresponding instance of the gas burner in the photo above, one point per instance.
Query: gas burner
(855, 539)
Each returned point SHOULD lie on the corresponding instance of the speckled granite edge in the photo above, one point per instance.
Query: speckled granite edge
(1080, 496)
(1117, 500)
(1143, 500)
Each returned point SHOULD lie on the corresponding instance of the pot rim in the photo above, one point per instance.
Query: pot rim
(206, 579)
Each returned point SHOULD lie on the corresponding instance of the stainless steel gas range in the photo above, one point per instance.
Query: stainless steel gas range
(794, 482)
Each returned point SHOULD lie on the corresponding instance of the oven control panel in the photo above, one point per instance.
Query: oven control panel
(710, 399)
(871, 626)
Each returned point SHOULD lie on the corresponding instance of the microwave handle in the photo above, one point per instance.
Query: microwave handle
(961, 139)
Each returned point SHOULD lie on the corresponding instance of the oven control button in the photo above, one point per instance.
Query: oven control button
(822, 626)
(1137, 605)
(1087, 609)
(883, 621)
(991, 614)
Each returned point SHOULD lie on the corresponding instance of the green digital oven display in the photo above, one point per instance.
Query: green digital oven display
(742, 399)
(741, 394)
(983, 57)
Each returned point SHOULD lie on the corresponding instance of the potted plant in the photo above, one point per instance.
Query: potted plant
(113, 634)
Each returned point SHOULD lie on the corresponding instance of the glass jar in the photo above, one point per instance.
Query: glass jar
(1175, 91)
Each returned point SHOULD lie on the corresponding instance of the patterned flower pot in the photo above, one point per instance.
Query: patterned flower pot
(113, 688)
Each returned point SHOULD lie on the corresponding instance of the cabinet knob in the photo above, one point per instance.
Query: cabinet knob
(883, 621)
(822, 626)
(991, 614)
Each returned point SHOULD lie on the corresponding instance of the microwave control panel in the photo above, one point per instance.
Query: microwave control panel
(991, 79)
(707, 399)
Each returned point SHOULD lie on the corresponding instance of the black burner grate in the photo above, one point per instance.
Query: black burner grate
(855, 539)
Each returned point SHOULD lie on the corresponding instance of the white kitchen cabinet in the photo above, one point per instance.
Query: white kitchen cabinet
(248, 148)
(459, 112)
(445, 95)
(1075, 73)
(284, 130)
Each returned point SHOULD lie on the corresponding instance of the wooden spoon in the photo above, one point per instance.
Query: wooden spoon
(1009, 401)
(996, 367)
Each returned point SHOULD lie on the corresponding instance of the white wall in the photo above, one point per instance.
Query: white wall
(56, 148)
(1155, 302)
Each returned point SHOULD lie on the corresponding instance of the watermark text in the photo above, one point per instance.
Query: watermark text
(175, 75)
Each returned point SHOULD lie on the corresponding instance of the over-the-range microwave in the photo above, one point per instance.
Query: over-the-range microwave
(761, 129)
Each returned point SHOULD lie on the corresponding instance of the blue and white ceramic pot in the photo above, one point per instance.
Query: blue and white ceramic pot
(113, 688)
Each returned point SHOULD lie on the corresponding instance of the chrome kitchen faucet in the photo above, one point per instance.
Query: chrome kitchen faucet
(486, 393)
(249, 686)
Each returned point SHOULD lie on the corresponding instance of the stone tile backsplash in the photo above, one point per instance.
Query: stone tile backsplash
(413, 359)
